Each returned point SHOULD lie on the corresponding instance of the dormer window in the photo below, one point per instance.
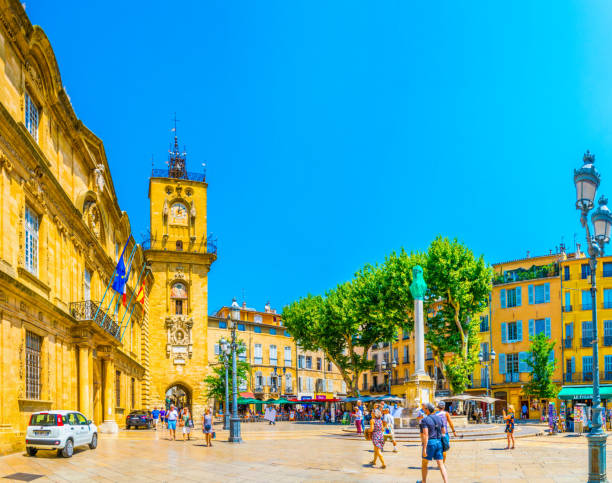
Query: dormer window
(31, 116)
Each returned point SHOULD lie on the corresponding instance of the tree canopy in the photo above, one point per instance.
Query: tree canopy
(542, 367)
(215, 382)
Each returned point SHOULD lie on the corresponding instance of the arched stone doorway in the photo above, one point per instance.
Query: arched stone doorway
(179, 395)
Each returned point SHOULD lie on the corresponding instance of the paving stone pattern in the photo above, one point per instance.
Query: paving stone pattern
(300, 452)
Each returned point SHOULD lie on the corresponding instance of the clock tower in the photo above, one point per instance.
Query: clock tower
(180, 255)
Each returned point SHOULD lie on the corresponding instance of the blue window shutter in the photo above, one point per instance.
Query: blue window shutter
(523, 366)
(546, 292)
(573, 365)
(518, 296)
(551, 356)
(531, 328)
(519, 330)
(502, 296)
(504, 332)
(530, 293)
(547, 328)
(502, 363)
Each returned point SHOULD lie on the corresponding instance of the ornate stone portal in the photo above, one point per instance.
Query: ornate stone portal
(179, 346)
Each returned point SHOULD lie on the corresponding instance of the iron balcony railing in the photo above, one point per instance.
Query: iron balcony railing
(567, 308)
(606, 375)
(607, 340)
(86, 310)
(178, 174)
(588, 306)
(568, 342)
(587, 376)
(569, 377)
(587, 341)
(512, 377)
(153, 244)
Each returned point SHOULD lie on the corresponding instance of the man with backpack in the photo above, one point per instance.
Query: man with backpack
(431, 437)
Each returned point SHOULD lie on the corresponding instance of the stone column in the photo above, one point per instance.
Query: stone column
(418, 289)
(109, 425)
(84, 389)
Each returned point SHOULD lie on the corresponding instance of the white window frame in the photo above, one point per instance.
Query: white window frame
(32, 225)
(258, 355)
(32, 116)
(273, 355)
(287, 356)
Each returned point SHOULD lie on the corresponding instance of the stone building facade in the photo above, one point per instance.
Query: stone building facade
(61, 232)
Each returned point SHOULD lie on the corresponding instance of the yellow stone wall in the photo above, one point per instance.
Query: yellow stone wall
(178, 348)
(58, 170)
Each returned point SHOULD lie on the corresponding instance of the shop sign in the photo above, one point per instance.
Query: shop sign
(582, 396)
(443, 393)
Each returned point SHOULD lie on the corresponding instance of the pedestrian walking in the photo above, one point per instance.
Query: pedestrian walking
(172, 418)
(155, 416)
(187, 423)
(389, 427)
(207, 427)
(162, 416)
(509, 418)
(377, 426)
(431, 437)
(446, 421)
(359, 417)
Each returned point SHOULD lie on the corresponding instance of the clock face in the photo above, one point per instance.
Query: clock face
(178, 214)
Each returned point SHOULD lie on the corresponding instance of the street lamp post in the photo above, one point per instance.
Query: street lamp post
(489, 365)
(225, 350)
(234, 420)
(587, 181)
(392, 365)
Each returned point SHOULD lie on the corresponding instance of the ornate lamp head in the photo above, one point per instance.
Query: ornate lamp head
(587, 181)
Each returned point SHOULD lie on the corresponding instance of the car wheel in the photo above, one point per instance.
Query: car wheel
(94, 441)
(31, 451)
(68, 450)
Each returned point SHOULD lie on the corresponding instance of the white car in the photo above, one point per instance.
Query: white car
(60, 431)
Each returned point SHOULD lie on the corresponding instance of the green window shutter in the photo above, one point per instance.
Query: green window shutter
(518, 296)
(531, 328)
(502, 363)
(523, 366)
(502, 297)
(530, 293)
(504, 332)
(519, 330)
(547, 328)
(546, 292)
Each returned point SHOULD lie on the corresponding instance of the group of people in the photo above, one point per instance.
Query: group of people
(168, 420)
(434, 423)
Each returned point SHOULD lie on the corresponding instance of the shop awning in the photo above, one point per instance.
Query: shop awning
(247, 395)
(584, 392)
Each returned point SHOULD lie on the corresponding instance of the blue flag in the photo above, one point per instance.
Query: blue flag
(120, 273)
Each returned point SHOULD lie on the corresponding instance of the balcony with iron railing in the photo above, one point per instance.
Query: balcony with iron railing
(587, 376)
(607, 340)
(178, 174)
(567, 308)
(513, 377)
(88, 310)
(521, 274)
(587, 342)
(164, 244)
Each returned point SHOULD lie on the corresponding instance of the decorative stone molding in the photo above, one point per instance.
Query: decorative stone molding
(179, 345)
(36, 186)
(5, 163)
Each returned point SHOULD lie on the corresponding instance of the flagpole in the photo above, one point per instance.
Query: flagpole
(128, 322)
(133, 292)
(127, 274)
(111, 281)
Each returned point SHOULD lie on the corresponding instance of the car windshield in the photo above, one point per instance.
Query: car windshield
(43, 420)
(138, 413)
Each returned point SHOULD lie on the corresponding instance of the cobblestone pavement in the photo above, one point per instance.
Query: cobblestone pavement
(300, 452)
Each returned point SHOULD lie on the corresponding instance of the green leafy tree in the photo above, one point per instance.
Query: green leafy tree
(215, 382)
(347, 321)
(542, 367)
(458, 290)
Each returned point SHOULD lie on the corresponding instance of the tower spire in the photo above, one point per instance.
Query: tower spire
(177, 161)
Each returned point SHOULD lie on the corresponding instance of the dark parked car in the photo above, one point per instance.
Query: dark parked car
(139, 419)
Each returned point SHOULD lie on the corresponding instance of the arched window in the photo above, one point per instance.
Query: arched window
(178, 294)
(179, 245)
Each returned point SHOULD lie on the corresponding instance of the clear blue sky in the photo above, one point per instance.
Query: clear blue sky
(336, 132)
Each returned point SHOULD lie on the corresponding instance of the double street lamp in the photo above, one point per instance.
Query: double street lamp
(389, 371)
(587, 181)
(233, 319)
(489, 365)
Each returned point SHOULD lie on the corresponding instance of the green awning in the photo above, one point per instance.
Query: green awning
(584, 392)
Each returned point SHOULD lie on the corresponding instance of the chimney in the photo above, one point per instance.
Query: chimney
(578, 254)
(244, 305)
(527, 253)
(267, 308)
